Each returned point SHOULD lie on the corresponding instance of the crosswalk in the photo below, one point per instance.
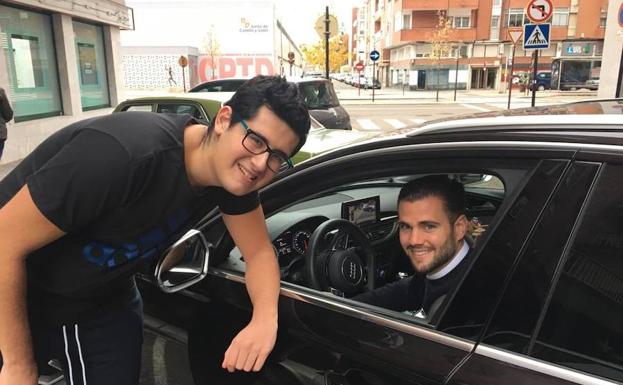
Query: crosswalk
(384, 124)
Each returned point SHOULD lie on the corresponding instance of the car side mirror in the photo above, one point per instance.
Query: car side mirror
(183, 264)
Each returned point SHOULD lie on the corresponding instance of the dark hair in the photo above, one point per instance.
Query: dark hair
(280, 96)
(450, 191)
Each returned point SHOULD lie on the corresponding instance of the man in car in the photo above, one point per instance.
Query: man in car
(100, 198)
(432, 227)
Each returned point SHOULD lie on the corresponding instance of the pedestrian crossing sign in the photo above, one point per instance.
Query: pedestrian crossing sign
(536, 36)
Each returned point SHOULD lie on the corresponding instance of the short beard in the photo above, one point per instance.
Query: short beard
(443, 255)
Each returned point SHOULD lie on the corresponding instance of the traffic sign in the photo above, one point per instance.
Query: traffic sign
(539, 11)
(515, 35)
(359, 66)
(374, 55)
(182, 61)
(536, 36)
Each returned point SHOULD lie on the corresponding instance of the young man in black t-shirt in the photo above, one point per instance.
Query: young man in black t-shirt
(432, 226)
(101, 197)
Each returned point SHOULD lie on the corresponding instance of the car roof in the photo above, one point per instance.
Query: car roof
(221, 97)
(585, 115)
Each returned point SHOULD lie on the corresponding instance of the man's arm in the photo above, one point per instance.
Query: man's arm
(251, 346)
(22, 229)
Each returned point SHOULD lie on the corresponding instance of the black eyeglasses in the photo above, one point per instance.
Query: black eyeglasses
(257, 145)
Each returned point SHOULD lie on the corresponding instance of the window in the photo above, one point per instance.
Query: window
(91, 66)
(180, 109)
(406, 21)
(497, 3)
(495, 21)
(460, 22)
(582, 327)
(603, 17)
(28, 43)
(143, 107)
(516, 17)
(561, 16)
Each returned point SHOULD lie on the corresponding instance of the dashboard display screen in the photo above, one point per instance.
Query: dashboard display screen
(362, 211)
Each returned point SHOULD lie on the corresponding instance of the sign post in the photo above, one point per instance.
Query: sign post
(359, 67)
(515, 36)
(536, 36)
(183, 62)
(374, 56)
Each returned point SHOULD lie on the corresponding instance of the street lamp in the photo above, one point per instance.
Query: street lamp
(456, 70)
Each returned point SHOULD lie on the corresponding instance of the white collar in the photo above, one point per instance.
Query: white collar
(458, 257)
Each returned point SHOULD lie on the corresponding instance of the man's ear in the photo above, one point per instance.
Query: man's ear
(461, 226)
(222, 120)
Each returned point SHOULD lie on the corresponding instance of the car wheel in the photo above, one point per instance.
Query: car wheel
(331, 265)
(541, 87)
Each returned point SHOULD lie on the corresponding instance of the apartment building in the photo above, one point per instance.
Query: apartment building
(477, 51)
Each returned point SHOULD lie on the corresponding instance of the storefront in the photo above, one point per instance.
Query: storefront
(58, 64)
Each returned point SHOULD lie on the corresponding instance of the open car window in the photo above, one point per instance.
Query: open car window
(292, 230)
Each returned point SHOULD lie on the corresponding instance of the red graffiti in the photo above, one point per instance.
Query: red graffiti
(228, 66)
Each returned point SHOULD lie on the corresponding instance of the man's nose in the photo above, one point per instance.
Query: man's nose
(259, 161)
(415, 238)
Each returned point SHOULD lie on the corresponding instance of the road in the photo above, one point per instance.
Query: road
(385, 117)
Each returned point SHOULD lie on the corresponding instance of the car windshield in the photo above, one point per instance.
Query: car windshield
(319, 95)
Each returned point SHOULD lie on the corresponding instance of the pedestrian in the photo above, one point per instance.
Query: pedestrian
(129, 184)
(171, 81)
(6, 114)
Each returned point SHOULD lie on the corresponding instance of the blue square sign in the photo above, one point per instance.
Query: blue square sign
(536, 36)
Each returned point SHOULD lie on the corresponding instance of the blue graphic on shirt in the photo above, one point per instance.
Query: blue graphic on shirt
(145, 247)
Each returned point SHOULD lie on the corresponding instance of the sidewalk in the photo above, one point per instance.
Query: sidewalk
(6, 168)
(352, 95)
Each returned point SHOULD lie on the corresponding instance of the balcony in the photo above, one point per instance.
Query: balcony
(433, 5)
(426, 34)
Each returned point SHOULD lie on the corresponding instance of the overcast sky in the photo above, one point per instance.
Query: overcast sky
(173, 22)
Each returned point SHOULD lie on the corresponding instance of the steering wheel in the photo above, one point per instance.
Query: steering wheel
(336, 266)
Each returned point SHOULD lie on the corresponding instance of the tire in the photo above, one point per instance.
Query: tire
(541, 87)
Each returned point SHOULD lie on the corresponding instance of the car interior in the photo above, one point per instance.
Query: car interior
(366, 216)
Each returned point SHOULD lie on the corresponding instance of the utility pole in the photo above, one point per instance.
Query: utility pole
(326, 41)
(535, 62)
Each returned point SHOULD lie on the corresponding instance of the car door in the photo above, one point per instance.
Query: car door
(558, 320)
(354, 344)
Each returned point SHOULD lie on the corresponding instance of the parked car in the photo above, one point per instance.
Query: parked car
(543, 81)
(220, 85)
(542, 303)
(321, 99)
(205, 106)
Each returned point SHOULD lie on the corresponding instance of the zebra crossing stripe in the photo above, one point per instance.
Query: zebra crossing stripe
(418, 120)
(475, 107)
(367, 125)
(395, 123)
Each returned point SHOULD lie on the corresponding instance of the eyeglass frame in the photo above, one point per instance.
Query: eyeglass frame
(269, 150)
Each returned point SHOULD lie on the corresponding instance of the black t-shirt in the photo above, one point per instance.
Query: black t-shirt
(417, 292)
(118, 186)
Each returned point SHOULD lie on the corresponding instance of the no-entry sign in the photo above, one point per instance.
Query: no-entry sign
(539, 11)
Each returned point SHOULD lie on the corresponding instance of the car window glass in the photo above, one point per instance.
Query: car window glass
(180, 109)
(583, 326)
(319, 94)
(142, 107)
(520, 307)
(477, 295)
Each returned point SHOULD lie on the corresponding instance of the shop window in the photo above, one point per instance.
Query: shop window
(91, 66)
(30, 62)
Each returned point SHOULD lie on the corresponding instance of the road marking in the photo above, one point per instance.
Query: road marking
(395, 123)
(418, 120)
(367, 125)
(475, 107)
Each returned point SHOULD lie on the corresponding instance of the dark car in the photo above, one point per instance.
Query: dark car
(320, 97)
(220, 85)
(541, 303)
(543, 81)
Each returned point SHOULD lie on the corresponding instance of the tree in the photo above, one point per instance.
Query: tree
(441, 44)
(338, 54)
(211, 48)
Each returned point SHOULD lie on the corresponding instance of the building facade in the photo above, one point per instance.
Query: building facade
(59, 62)
(475, 50)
